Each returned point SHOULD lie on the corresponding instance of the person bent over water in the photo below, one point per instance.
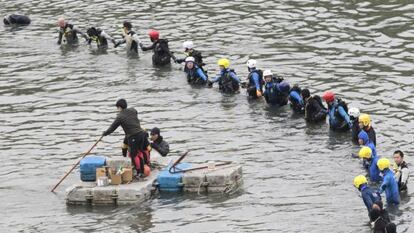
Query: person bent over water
(16, 19)
(255, 80)
(135, 136)
(368, 195)
(227, 79)
(363, 140)
(68, 33)
(370, 163)
(401, 170)
(314, 109)
(296, 100)
(389, 184)
(338, 112)
(158, 143)
(100, 37)
(276, 90)
(195, 74)
(162, 55)
(189, 51)
(130, 38)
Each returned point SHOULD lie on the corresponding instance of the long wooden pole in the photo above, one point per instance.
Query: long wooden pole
(76, 164)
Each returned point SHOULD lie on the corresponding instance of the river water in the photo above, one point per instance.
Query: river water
(55, 103)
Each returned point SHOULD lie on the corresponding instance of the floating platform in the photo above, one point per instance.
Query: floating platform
(196, 178)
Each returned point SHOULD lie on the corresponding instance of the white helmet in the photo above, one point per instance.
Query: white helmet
(251, 63)
(188, 44)
(354, 112)
(190, 59)
(267, 73)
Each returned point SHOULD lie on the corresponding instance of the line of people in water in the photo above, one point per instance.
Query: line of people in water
(276, 92)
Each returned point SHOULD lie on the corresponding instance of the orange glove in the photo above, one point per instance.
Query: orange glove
(259, 93)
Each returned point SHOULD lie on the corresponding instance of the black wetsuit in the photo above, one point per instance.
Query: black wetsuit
(135, 136)
(15, 19)
(162, 55)
(161, 146)
(314, 110)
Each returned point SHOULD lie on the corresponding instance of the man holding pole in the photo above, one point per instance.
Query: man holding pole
(136, 137)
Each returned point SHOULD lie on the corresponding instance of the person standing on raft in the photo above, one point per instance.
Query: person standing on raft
(135, 137)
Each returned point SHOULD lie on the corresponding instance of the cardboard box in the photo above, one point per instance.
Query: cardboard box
(100, 172)
(127, 175)
(115, 178)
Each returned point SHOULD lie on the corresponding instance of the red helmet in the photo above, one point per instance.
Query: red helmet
(154, 35)
(328, 96)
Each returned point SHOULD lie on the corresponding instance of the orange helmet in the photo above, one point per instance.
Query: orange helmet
(154, 34)
(328, 96)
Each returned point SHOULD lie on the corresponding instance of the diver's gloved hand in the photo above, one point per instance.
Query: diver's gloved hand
(117, 44)
(258, 93)
(209, 83)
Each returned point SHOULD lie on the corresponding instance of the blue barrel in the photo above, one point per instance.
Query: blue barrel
(168, 182)
(88, 167)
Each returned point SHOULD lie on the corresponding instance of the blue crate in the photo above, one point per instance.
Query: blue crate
(168, 182)
(88, 167)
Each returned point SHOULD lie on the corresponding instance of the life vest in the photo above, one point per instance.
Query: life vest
(193, 77)
(403, 165)
(100, 40)
(341, 124)
(276, 92)
(132, 45)
(227, 84)
(69, 34)
(251, 88)
(161, 52)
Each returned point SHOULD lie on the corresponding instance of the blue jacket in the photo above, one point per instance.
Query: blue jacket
(390, 186)
(335, 108)
(369, 196)
(255, 77)
(373, 171)
(197, 73)
(365, 138)
(297, 98)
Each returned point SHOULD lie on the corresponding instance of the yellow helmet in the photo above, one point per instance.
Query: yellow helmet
(224, 62)
(383, 163)
(365, 152)
(364, 119)
(358, 180)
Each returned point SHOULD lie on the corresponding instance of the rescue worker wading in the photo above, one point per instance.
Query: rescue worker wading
(338, 112)
(276, 89)
(135, 136)
(368, 195)
(189, 51)
(195, 74)
(162, 55)
(389, 185)
(365, 124)
(354, 117)
(228, 81)
(100, 37)
(370, 163)
(68, 34)
(314, 109)
(158, 143)
(255, 80)
(401, 170)
(130, 38)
